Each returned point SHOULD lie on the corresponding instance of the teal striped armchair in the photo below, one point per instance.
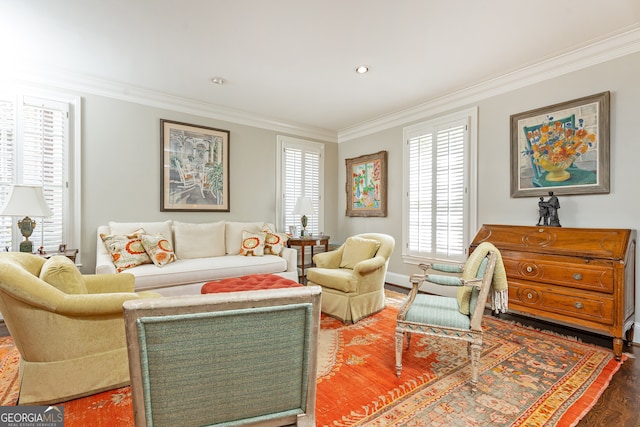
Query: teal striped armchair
(460, 317)
(225, 359)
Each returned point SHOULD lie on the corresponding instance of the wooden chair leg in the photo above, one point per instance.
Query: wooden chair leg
(476, 350)
(399, 343)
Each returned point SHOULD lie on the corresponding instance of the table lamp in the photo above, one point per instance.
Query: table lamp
(304, 207)
(26, 200)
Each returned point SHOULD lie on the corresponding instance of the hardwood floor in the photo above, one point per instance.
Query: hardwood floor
(618, 405)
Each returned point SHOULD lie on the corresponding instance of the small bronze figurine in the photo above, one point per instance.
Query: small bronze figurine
(548, 211)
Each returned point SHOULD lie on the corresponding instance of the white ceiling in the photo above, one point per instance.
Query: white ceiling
(292, 61)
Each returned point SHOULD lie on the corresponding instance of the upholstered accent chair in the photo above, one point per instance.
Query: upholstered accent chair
(232, 358)
(352, 277)
(459, 317)
(68, 327)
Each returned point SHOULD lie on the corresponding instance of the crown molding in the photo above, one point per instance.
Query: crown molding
(621, 44)
(95, 86)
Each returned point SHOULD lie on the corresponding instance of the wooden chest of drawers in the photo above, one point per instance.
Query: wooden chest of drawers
(579, 277)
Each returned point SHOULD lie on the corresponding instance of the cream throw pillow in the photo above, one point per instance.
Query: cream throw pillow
(198, 240)
(358, 249)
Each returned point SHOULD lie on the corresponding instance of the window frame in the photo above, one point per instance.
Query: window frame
(470, 178)
(72, 208)
(284, 142)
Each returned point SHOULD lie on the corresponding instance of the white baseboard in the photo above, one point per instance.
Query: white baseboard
(398, 280)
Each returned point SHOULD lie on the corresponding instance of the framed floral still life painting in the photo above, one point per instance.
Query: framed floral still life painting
(194, 168)
(562, 147)
(367, 185)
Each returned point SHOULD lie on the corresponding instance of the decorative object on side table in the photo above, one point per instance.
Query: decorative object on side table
(26, 200)
(548, 211)
(304, 207)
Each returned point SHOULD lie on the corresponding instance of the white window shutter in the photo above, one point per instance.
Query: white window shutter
(37, 157)
(450, 192)
(436, 202)
(301, 175)
(7, 166)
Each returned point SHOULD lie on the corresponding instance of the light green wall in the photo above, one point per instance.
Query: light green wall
(121, 169)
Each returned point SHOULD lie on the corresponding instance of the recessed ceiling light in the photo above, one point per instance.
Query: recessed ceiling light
(362, 69)
(217, 80)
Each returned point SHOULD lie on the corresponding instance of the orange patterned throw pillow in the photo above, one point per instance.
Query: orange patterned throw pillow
(159, 249)
(252, 243)
(274, 243)
(126, 250)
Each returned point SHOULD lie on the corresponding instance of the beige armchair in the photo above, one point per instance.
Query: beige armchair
(68, 327)
(352, 277)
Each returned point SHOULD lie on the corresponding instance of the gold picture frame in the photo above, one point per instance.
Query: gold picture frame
(366, 185)
(194, 167)
(562, 147)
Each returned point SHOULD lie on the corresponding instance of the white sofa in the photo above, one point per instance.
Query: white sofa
(205, 252)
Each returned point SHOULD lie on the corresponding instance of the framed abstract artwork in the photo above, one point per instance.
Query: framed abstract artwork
(367, 185)
(563, 148)
(194, 168)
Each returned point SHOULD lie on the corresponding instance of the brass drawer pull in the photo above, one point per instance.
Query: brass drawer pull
(578, 304)
(577, 276)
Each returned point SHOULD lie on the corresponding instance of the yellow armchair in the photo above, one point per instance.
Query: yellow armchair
(352, 277)
(68, 329)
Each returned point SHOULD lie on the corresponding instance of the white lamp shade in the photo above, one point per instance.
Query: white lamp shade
(26, 200)
(304, 206)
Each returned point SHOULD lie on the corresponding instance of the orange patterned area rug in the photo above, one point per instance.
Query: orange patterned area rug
(527, 378)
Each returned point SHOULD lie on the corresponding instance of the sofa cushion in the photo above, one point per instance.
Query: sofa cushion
(158, 248)
(184, 271)
(252, 243)
(358, 249)
(199, 240)
(126, 250)
(161, 227)
(61, 273)
(233, 234)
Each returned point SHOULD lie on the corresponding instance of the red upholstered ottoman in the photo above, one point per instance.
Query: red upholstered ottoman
(248, 283)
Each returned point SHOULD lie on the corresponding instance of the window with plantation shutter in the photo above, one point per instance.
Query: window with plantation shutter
(437, 205)
(35, 150)
(301, 167)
